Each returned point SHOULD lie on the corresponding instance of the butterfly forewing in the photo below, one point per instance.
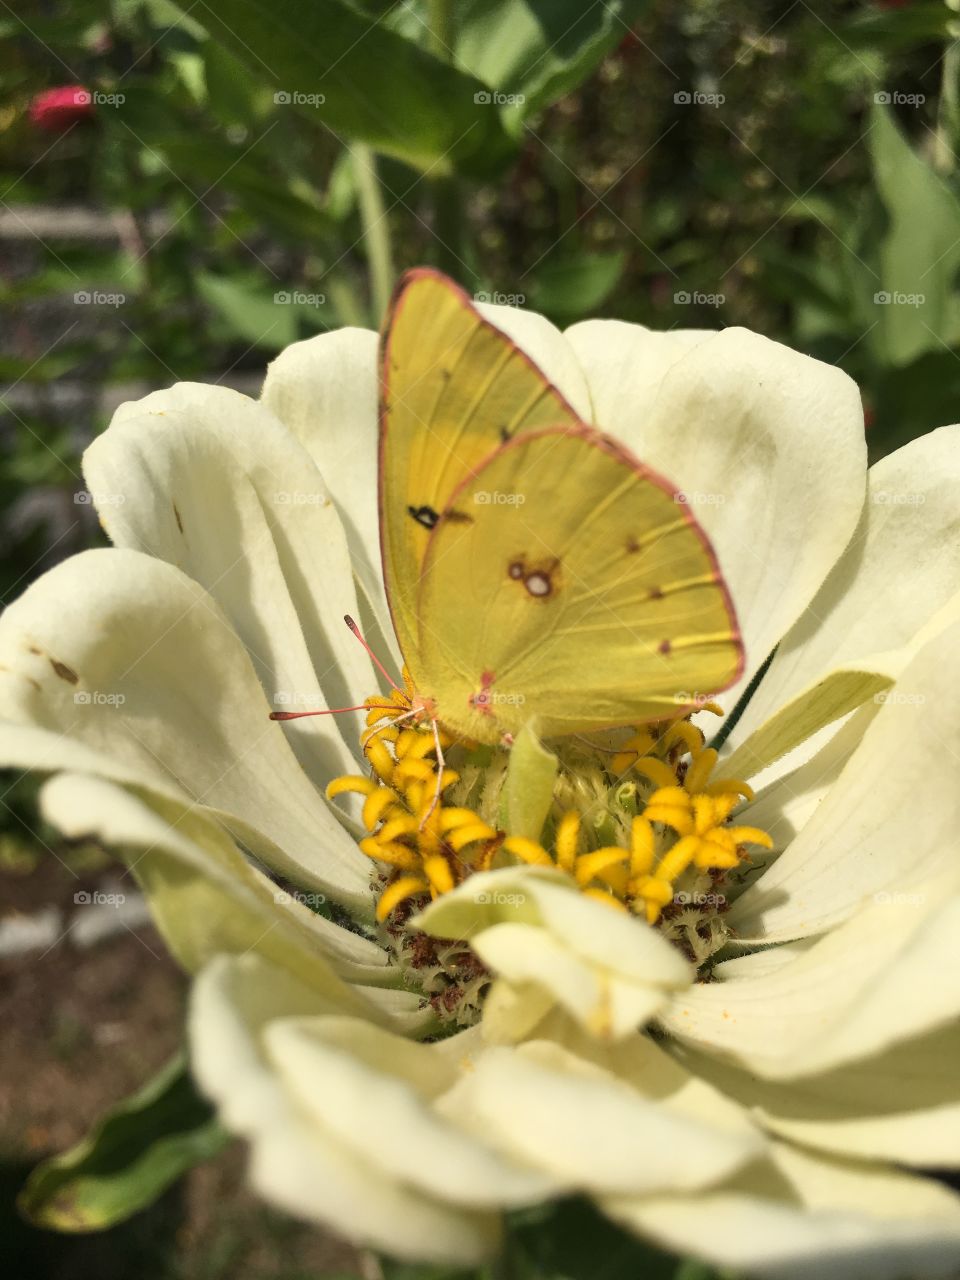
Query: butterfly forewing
(567, 581)
(453, 388)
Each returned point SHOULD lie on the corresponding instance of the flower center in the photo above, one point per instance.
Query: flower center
(642, 827)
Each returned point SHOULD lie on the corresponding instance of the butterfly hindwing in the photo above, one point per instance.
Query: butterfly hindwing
(567, 581)
(452, 388)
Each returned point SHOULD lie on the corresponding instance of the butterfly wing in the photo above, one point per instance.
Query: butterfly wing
(568, 581)
(452, 388)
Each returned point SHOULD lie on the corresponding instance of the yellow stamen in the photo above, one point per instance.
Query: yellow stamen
(567, 838)
(397, 892)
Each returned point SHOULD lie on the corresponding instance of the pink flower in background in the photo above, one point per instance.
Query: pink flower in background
(57, 109)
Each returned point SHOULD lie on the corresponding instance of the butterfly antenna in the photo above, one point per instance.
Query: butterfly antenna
(373, 657)
(333, 711)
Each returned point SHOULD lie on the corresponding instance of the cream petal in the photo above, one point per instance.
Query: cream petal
(902, 1105)
(206, 898)
(899, 577)
(532, 926)
(221, 490)
(547, 348)
(295, 1162)
(325, 390)
(798, 1215)
(624, 366)
(132, 658)
(885, 975)
(768, 447)
(889, 819)
(373, 1091)
(590, 1129)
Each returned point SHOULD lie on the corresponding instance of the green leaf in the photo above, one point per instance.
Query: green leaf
(138, 1149)
(528, 790)
(920, 253)
(539, 49)
(256, 317)
(376, 85)
(568, 289)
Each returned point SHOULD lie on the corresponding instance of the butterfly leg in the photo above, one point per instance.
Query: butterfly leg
(441, 765)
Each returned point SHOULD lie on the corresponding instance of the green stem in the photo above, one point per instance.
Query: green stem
(440, 24)
(948, 111)
(376, 227)
(447, 204)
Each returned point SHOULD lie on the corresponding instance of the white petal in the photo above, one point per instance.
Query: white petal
(131, 657)
(889, 820)
(532, 926)
(205, 897)
(884, 976)
(624, 366)
(768, 447)
(324, 390)
(799, 1215)
(590, 1129)
(295, 1162)
(373, 1091)
(220, 489)
(547, 348)
(899, 574)
(902, 1105)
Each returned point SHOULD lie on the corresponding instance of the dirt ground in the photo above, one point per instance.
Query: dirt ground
(82, 1028)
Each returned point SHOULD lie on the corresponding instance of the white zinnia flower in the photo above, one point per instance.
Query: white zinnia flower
(772, 1118)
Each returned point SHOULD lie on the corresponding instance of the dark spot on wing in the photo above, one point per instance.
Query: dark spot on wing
(654, 594)
(664, 646)
(64, 672)
(457, 517)
(633, 546)
(505, 435)
(538, 579)
(425, 516)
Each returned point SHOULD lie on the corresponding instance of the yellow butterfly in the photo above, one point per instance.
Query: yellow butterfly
(533, 566)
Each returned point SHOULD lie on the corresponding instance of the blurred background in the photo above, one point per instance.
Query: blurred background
(185, 189)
